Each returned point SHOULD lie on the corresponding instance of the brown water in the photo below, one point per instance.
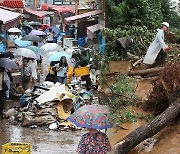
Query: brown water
(119, 66)
(168, 139)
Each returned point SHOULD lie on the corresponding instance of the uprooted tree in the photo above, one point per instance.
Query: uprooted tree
(166, 95)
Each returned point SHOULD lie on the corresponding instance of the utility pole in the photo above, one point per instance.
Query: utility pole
(76, 13)
(35, 4)
(104, 12)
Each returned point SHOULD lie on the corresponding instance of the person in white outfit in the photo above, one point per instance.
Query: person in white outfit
(8, 82)
(156, 46)
(33, 65)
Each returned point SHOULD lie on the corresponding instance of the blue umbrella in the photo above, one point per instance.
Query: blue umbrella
(34, 48)
(22, 43)
(58, 55)
(54, 29)
(8, 63)
(92, 116)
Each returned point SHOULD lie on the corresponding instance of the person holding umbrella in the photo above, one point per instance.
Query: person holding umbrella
(26, 74)
(2, 91)
(50, 36)
(7, 64)
(93, 117)
(33, 65)
(62, 68)
(94, 142)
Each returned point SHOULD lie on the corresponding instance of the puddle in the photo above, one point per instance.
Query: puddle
(43, 140)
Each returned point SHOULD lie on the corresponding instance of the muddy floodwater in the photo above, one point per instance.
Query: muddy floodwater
(45, 141)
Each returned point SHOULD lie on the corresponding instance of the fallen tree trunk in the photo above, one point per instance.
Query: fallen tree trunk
(149, 129)
(145, 72)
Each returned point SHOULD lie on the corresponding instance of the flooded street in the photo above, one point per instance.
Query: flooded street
(43, 140)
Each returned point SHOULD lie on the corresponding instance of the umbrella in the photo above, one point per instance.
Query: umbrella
(14, 30)
(6, 54)
(50, 47)
(33, 23)
(22, 43)
(92, 116)
(25, 53)
(44, 26)
(27, 28)
(54, 29)
(31, 38)
(37, 32)
(8, 63)
(58, 55)
(34, 48)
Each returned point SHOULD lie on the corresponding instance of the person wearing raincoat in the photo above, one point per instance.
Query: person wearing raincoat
(156, 46)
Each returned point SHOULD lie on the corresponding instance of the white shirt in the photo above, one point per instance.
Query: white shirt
(33, 65)
(1, 79)
(63, 72)
(50, 36)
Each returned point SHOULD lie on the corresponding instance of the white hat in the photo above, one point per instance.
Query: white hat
(165, 24)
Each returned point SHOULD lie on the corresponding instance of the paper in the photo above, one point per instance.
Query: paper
(51, 94)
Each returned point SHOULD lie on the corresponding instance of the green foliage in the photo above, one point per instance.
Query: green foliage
(134, 13)
(133, 32)
(104, 69)
(125, 116)
(174, 21)
(165, 9)
(154, 15)
(149, 117)
(123, 86)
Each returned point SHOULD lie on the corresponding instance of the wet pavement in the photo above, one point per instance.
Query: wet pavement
(43, 140)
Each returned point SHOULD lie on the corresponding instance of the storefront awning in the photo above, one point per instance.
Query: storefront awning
(60, 9)
(36, 13)
(12, 3)
(8, 18)
(92, 29)
(84, 15)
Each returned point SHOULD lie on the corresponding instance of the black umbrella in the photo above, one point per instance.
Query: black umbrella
(6, 54)
(27, 28)
(8, 63)
(31, 38)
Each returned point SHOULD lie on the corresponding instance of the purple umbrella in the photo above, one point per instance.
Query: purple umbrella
(37, 32)
(92, 116)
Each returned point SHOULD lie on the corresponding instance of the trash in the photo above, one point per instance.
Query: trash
(48, 84)
(61, 113)
(12, 120)
(53, 126)
(30, 119)
(81, 71)
(11, 112)
(16, 147)
(52, 94)
(34, 126)
(28, 92)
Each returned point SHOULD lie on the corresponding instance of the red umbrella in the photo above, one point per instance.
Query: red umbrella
(45, 26)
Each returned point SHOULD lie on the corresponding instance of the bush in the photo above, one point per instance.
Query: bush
(134, 32)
